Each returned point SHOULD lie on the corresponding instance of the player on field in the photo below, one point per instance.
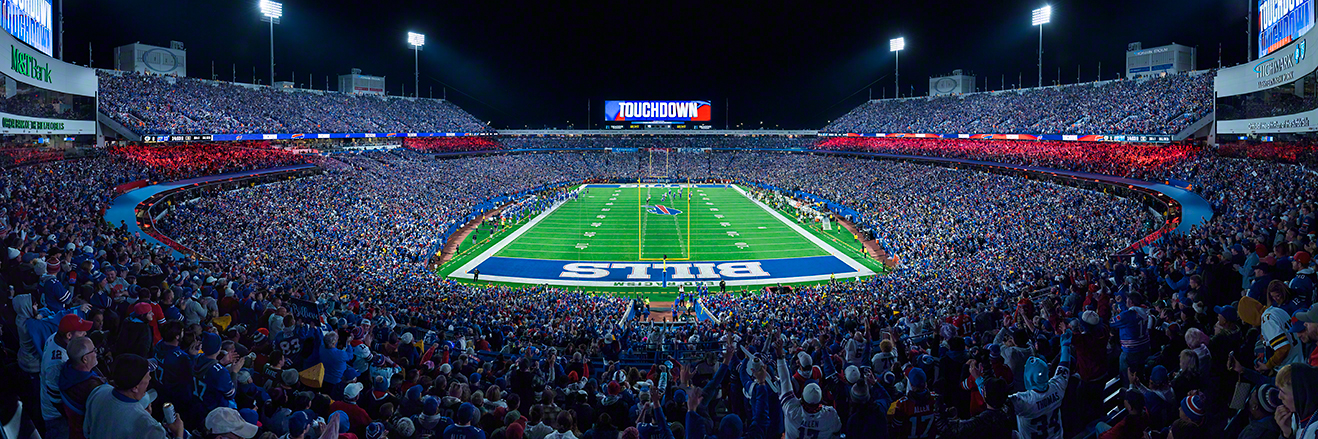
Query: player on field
(1038, 414)
(807, 417)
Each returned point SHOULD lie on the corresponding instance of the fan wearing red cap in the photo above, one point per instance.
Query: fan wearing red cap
(1303, 283)
(53, 357)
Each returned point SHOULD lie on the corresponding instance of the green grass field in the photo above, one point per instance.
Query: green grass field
(615, 224)
(612, 224)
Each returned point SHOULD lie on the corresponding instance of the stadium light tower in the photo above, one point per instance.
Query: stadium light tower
(271, 12)
(1039, 18)
(896, 45)
(416, 40)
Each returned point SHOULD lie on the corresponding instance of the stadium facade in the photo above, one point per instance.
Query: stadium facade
(1270, 98)
(43, 95)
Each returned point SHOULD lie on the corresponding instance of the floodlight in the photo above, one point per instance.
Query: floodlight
(272, 11)
(1041, 15)
(896, 44)
(416, 39)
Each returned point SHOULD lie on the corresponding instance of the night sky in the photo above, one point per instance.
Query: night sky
(789, 65)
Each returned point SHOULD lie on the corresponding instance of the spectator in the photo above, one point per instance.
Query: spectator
(118, 410)
(71, 326)
(1134, 423)
(77, 380)
(462, 428)
(1263, 402)
(228, 423)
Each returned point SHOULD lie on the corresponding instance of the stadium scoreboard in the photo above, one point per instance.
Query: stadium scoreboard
(1281, 22)
(30, 22)
(658, 115)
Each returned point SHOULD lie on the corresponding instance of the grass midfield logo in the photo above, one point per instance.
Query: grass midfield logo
(662, 210)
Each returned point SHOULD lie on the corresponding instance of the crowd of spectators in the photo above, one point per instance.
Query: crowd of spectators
(157, 104)
(1160, 105)
(17, 154)
(319, 319)
(1300, 152)
(1137, 160)
(179, 161)
(451, 144)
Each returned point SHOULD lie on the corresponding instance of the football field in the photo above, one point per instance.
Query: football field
(653, 235)
(618, 224)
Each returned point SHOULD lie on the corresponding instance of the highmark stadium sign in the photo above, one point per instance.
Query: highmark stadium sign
(1280, 70)
(636, 111)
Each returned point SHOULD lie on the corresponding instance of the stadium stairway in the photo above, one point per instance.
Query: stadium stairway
(118, 128)
(1199, 128)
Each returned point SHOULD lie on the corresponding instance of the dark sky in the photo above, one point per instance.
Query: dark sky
(783, 64)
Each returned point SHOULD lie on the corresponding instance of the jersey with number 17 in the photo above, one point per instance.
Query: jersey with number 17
(822, 424)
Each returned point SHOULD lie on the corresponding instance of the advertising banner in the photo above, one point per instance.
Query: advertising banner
(12, 124)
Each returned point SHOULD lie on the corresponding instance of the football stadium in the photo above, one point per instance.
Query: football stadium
(641, 221)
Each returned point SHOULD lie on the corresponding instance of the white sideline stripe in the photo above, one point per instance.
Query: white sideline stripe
(861, 269)
(464, 271)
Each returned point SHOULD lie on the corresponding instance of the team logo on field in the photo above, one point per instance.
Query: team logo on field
(662, 210)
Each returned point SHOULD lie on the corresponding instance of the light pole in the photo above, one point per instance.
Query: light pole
(271, 13)
(895, 46)
(1039, 18)
(416, 40)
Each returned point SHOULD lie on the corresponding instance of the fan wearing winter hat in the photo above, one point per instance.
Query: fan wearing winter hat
(1038, 407)
(867, 399)
(918, 407)
(808, 414)
(463, 428)
(806, 370)
(1090, 338)
(1263, 402)
(430, 422)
